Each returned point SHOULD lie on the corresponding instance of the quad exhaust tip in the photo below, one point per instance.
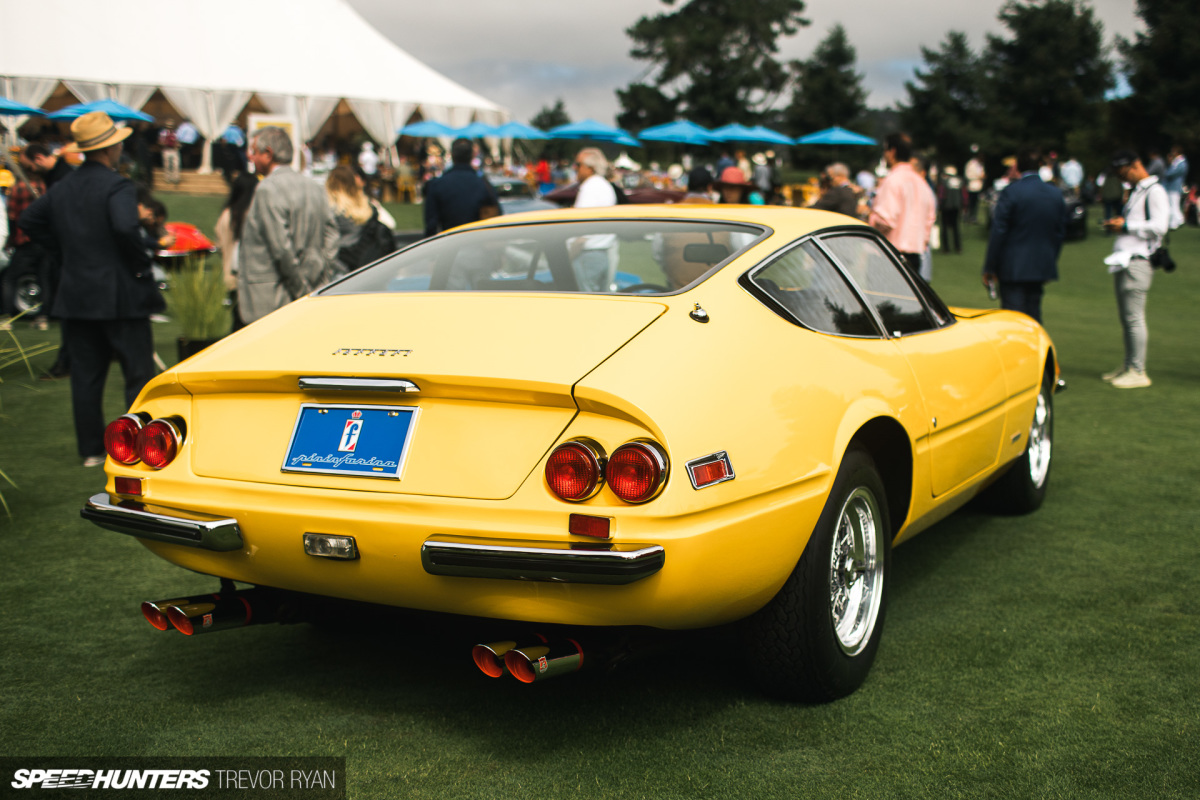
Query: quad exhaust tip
(204, 613)
(529, 663)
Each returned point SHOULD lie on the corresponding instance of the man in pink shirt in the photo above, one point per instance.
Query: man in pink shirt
(905, 208)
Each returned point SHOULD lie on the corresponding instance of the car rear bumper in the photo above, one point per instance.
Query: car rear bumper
(610, 564)
(194, 529)
(454, 556)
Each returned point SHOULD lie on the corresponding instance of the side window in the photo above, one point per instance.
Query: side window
(808, 286)
(882, 283)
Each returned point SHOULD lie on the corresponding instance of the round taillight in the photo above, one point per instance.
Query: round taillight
(120, 439)
(158, 443)
(575, 470)
(637, 471)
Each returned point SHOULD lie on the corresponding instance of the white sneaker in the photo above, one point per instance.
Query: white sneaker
(1131, 380)
(94, 461)
(1112, 376)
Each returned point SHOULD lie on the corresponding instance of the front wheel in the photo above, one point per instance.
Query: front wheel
(1022, 489)
(816, 640)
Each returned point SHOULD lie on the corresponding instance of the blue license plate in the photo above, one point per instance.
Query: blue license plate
(370, 441)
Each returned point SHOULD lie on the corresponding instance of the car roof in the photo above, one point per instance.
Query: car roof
(782, 219)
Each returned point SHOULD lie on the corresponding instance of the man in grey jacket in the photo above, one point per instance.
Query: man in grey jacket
(290, 236)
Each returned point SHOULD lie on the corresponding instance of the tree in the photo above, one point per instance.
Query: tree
(643, 106)
(546, 119)
(1049, 79)
(549, 117)
(712, 60)
(946, 101)
(827, 90)
(1163, 68)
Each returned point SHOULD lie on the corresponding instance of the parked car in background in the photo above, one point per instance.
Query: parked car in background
(490, 423)
(515, 195)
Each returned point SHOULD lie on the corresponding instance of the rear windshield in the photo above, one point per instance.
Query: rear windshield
(596, 256)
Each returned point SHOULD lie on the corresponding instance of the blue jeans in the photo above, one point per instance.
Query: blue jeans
(1132, 285)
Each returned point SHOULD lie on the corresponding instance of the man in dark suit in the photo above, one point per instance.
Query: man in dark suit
(1027, 234)
(460, 195)
(107, 292)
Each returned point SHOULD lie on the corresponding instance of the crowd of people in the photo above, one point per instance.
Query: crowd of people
(282, 233)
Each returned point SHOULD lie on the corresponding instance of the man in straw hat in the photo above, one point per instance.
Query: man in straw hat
(107, 292)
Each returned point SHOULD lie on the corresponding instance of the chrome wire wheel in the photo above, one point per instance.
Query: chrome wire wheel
(1040, 441)
(856, 571)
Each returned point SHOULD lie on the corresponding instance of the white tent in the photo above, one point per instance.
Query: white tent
(300, 57)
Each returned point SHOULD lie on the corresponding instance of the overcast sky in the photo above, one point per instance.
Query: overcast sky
(525, 55)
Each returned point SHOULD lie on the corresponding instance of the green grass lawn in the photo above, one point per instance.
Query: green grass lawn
(1049, 656)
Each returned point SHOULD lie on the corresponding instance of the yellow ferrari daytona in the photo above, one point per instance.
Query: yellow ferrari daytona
(665, 416)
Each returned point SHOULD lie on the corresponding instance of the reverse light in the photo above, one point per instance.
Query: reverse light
(120, 438)
(637, 471)
(158, 442)
(325, 545)
(575, 470)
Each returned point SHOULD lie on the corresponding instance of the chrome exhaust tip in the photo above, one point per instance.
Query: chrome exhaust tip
(542, 661)
(490, 657)
(214, 614)
(207, 613)
(156, 612)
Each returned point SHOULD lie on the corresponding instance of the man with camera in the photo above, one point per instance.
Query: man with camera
(1140, 230)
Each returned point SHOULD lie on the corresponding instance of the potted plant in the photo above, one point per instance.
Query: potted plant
(197, 300)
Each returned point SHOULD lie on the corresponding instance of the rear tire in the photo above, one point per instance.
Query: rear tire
(1022, 489)
(816, 640)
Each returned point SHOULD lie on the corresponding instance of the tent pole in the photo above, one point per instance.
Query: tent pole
(206, 151)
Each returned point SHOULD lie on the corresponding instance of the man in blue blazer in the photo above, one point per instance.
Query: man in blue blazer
(460, 195)
(107, 291)
(1027, 234)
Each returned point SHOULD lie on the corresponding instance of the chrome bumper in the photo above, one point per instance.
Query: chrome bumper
(573, 562)
(145, 521)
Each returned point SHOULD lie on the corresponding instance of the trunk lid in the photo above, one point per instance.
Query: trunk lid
(495, 376)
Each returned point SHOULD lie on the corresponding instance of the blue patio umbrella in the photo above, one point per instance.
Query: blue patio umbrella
(591, 129)
(741, 133)
(234, 136)
(768, 136)
(110, 107)
(427, 129)
(680, 131)
(11, 108)
(836, 135)
(732, 133)
(476, 130)
(519, 130)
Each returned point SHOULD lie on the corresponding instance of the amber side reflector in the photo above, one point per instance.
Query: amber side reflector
(710, 469)
(709, 473)
(132, 486)
(584, 525)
